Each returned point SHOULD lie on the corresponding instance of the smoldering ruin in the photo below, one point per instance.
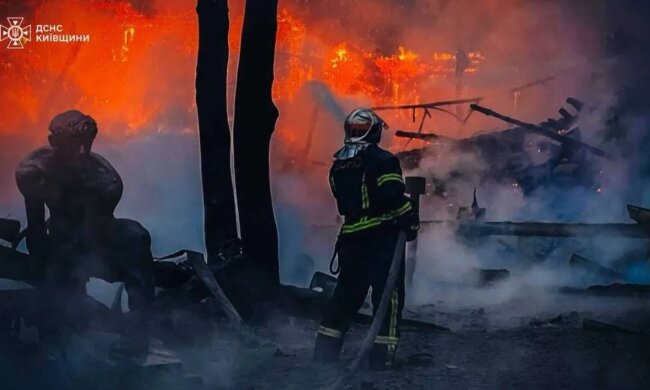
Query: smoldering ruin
(522, 129)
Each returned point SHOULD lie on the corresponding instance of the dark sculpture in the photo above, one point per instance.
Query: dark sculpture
(81, 238)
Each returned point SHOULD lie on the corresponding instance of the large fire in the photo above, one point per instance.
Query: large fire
(136, 74)
(127, 76)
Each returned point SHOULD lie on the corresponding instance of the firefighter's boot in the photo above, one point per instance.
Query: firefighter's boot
(327, 349)
(381, 357)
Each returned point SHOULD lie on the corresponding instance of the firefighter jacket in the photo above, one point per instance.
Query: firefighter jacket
(369, 190)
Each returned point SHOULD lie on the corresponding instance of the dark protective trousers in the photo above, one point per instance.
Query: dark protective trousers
(365, 262)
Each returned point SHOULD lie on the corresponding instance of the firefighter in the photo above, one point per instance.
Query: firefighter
(367, 184)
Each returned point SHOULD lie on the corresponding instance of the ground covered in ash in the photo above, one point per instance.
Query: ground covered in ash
(532, 340)
(484, 350)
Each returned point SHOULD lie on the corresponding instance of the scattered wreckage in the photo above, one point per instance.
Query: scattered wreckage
(470, 225)
(568, 161)
(187, 281)
(187, 284)
(184, 276)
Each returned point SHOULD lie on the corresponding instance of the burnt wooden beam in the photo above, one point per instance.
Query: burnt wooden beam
(552, 134)
(639, 214)
(412, 134)
(428, 105)
(594, 268)
(531, 84)
(546, 229)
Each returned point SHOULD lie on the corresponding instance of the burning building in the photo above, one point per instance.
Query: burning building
(135, 74)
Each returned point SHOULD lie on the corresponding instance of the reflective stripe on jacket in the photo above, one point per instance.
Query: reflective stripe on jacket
(369, 190)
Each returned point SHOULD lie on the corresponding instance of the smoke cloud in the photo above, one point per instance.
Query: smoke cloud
(136, 78)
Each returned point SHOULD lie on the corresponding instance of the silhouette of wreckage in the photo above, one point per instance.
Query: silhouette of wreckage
(569, 165)
(470, 225)
(186, 282)
(186, 275)
(184, 279)
(505, 155)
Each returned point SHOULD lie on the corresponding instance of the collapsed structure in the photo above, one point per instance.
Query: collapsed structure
(186, 281)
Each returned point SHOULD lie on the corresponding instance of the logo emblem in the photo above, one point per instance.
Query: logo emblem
(15, 33)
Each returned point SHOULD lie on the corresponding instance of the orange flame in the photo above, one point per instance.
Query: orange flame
(345, 70)
(401, 71)
(137, 72)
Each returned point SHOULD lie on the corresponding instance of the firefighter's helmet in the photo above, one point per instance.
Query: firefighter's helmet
(363, 125)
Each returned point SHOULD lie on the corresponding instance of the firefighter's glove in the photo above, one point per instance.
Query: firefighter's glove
(410, 223)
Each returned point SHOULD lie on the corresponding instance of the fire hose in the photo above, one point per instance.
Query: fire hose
(369, 340)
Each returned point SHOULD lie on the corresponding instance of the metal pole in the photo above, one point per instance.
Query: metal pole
(415, 186)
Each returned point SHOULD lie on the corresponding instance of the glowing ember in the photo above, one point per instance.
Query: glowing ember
(291, 32)
(345, 71)
(291, 71)
(129, 34)
(401, 71)
(444, 63)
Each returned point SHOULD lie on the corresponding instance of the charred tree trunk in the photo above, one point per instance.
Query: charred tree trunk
(255, 117)
(218, 199)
